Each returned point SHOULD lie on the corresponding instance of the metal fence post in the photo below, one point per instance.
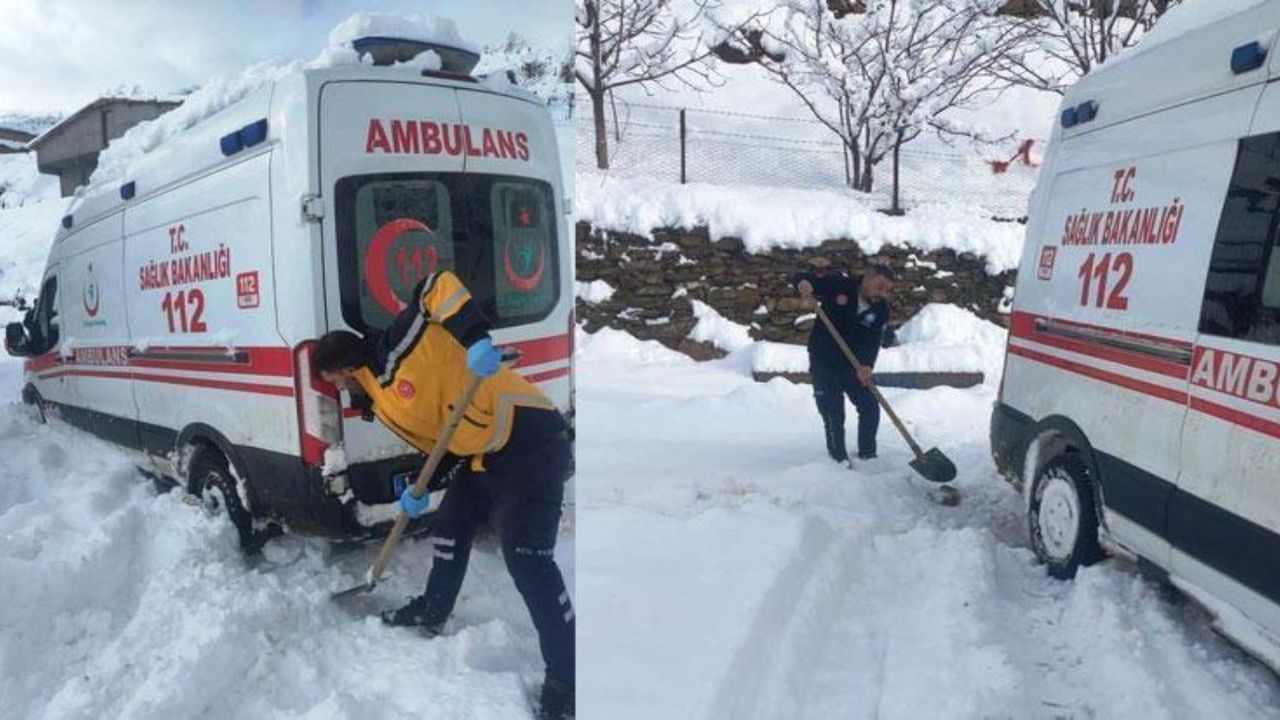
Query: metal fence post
(683, 175)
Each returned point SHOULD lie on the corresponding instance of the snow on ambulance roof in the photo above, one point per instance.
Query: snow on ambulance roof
(222, 92)
(1186, 55)
(424, 28)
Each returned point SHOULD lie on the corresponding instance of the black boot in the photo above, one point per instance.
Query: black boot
(416, 614)
(557, 701)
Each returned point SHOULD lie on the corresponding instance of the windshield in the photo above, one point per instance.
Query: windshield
(496, 232)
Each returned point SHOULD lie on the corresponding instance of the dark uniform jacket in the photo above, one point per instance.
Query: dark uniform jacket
(863, 331)
(419, 369)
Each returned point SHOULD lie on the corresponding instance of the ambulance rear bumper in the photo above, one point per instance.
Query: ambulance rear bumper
(285, 488)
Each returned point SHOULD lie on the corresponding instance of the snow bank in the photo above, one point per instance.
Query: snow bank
(714, 328)
(596, 291)
(765, 217)
(608, 346)
(424, 28)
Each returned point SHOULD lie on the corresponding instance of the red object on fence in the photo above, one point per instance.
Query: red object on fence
(1023, 154)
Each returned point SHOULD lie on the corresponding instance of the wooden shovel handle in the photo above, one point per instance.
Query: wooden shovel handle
(853, 360)
(424, 477)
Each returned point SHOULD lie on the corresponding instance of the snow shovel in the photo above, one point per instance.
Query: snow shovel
(932, 464)
(420, 485)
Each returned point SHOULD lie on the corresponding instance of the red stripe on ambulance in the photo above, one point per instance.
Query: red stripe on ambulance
(1124, 381)
(1022, 326)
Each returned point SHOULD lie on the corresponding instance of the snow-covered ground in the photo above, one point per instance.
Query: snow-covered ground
(733, 572)
(120, 602)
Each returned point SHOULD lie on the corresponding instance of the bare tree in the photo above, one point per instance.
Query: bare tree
(879, 73)
(639, 42)
(1071, 37)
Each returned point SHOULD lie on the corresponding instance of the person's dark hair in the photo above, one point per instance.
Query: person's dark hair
(339, 350)
(883, 271)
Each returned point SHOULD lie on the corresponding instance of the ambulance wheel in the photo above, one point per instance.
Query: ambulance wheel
(212, 482)
(1063, 517)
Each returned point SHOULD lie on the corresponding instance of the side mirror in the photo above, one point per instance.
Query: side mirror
(16, 342)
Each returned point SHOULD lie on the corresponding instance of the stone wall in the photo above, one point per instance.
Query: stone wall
(655, 280)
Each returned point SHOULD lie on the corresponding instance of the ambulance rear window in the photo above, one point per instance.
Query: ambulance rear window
(524, 256)
(497, 233)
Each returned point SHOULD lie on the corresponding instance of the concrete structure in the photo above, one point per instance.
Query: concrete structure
(13, 140)
(70, 148)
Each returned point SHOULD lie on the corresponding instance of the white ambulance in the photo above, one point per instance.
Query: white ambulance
(178, 311)
(1139, 409)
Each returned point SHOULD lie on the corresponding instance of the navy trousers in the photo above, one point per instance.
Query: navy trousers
(832, 382)
(523, 493)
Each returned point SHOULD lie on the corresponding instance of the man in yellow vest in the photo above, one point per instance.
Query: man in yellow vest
(514, 444)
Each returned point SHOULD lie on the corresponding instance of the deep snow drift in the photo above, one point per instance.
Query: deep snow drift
(733, 572)
(119, 602)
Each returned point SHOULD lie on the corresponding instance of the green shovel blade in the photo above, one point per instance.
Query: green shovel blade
(934, 466)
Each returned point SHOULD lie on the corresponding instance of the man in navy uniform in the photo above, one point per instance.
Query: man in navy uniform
(859, 309)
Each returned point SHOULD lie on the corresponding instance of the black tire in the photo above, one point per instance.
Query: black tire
(210, 480)
(1063, 517)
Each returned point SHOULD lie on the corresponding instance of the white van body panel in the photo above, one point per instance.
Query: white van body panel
(1106, 349)
(186, 306)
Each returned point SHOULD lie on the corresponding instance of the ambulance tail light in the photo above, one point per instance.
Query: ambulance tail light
(319, 410)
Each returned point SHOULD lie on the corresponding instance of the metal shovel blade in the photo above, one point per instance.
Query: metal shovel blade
(357, 590)
(367, 586)
(934, 466)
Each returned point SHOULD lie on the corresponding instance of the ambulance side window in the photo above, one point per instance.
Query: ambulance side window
(1242, 293)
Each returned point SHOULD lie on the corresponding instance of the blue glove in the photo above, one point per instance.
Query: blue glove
(412, 506)
(483, 358)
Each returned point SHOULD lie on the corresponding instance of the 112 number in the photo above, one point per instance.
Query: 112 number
(1101, 270)
(176, 304)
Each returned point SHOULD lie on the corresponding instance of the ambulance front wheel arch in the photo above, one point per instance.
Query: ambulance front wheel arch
(209, 477)
(1063, 500)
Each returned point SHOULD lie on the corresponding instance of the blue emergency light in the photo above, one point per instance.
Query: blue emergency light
(1249, 56)
(128, 190)
(231, 143)
(66, 221)
(1069, 117)
(1087, 111)
(253, 133)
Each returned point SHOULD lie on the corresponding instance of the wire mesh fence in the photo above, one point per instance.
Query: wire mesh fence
(736, 148)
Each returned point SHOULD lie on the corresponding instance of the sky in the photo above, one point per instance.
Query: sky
(57, 55)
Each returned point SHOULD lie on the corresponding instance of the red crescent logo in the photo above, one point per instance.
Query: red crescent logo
(524, 284)
(91, 284)
(375, 261)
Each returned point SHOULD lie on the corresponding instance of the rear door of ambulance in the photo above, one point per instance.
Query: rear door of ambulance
(421, 178)
(392, 213)
(520, 263)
